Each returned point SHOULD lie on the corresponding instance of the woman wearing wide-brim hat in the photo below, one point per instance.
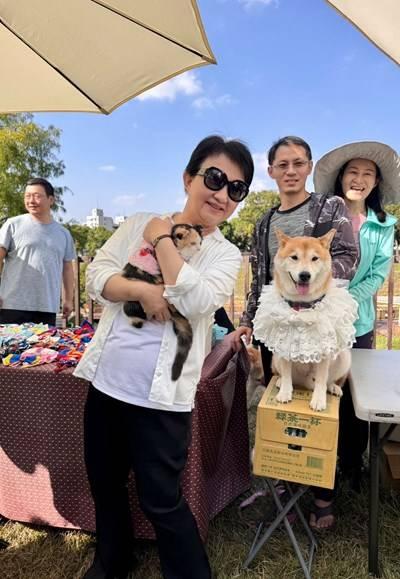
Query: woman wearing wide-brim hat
(367, 176)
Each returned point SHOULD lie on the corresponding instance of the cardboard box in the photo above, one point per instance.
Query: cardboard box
(390, 465)
(295, 443)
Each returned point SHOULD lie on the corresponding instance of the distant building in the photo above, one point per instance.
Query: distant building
(119, 219)
(98, 219)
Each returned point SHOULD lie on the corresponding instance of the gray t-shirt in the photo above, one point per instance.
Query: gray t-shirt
(291, 222)
(32, 272)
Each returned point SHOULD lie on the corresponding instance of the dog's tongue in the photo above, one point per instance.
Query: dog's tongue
(302, 288)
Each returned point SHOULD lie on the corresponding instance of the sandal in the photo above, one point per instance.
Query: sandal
(320, 513)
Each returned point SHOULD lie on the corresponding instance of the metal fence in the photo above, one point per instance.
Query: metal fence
(387, 304)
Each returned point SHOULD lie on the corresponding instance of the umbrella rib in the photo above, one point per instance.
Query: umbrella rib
(60, 72)
(153, 30)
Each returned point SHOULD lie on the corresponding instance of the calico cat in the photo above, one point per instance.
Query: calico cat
(143, 266)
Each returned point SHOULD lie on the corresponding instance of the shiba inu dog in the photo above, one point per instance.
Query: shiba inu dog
(306, 320)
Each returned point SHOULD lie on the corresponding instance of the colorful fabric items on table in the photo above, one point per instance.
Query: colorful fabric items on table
(29, 345)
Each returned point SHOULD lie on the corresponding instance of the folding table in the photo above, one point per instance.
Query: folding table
(42, 472)
(375, 389)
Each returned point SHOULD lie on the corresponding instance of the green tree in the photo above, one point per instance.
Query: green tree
(88, 239)
(97, 237)
(26, 150)
(239, 230)
(80, 234)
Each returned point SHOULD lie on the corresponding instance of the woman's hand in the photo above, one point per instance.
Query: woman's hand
(155, 228)
(153, 303)
(242, 333)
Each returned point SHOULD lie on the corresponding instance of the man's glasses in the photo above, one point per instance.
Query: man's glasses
(35, 196)
(284, 166)
(215, 179)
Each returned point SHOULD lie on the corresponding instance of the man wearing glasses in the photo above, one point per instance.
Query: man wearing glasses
(299, 213)
(37, 254)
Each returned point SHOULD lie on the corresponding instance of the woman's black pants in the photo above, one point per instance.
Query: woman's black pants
(154, 443)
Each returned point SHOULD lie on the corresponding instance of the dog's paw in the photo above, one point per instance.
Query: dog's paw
(318, 403)
(335, 389)
(283, 396)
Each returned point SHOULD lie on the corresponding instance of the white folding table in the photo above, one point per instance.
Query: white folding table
(375, 389)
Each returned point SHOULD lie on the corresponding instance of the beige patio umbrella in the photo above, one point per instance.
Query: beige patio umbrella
(379, 20)
(92, 55)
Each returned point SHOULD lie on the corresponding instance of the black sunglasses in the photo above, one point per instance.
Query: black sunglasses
(215, 179)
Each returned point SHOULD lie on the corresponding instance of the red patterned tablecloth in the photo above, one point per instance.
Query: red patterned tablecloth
(42, 472)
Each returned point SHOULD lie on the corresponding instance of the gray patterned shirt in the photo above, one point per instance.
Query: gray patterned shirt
(291, 222)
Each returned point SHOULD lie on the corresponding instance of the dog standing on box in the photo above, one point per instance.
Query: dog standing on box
(305, 320)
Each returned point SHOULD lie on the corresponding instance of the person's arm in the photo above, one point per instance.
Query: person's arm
(168, 257)
(3, 253)
(120, 289)
(379, 269)
(343, 249)
(105, 283)
(195, 295)
(68, 286)
(5, 241)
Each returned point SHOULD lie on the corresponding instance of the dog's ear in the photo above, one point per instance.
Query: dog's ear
(326, 239)
(282, 238)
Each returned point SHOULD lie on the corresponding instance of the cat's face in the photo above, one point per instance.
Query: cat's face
(204, 206)
(187, 240)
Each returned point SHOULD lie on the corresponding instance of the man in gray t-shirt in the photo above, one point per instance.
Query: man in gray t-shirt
(36, 254)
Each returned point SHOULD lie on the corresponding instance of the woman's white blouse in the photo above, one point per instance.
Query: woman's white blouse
(201, 288)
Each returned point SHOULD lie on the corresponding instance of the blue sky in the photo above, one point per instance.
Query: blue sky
(284, 67)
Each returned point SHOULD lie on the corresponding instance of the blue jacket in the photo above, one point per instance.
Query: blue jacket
(376, 252)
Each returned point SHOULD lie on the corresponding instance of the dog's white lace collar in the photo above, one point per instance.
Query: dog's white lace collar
(306, 335)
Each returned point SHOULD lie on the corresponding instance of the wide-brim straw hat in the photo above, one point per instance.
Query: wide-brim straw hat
(386, 158)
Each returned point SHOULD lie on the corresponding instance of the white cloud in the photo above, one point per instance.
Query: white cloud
(128, 200)
(261, 180)
(252, 3)
(187, 84)
(204, 102)
(107, 168)
(260, 162)
(224, 99)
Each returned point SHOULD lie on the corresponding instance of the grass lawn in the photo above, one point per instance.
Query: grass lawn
(37, 553)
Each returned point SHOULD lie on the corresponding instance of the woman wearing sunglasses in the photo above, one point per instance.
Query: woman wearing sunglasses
(135, 415)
